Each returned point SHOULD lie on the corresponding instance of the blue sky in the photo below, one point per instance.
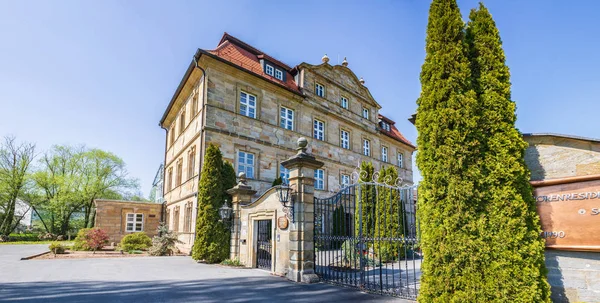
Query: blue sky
(101, 73)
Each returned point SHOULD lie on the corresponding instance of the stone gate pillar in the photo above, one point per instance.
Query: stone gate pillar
(241, 193)
(301, 243)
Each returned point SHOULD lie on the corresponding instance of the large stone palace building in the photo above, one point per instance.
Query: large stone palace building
(254, 107)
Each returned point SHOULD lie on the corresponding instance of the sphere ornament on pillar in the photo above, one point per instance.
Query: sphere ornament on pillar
(345, 62)
(302, 144)
(242, 177)
(325, 59)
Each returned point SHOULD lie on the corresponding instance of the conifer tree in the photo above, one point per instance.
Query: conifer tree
(339, 225)
(514, 252)
(389, 218)
(229, 180)
(448, 159)
(212, 236)
(365, 201)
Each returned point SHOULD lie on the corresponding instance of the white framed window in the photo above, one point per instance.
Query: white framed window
(344, 102)
(286, 118)
(319, 90)
(284, 173)
(365, 113)
(246, 164)
(135, 222)
(319, 130)
(269, 69)
(319, 179)
(345, 139)
(366, 147)
(345, 180)
(248, 105)
(279, 74)
(400, 160)
(384, 154)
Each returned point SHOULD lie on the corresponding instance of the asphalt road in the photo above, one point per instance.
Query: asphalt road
(152, 279)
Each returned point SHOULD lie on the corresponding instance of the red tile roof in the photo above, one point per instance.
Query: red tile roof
(248, 57)
(394, 132)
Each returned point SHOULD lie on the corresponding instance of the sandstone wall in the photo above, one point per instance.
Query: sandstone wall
(111, 216)
(573, 276)
(550, 157)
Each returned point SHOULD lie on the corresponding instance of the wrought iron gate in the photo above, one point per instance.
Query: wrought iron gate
(366, 236)
(263, 244)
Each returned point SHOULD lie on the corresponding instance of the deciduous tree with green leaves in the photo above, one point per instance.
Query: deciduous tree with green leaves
(70, 178)
(513, 267)
(15, 162)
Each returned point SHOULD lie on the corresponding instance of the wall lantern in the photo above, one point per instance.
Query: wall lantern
(225, 212)
(285, 193)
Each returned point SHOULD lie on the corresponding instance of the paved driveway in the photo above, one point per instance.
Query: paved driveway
(151, 279)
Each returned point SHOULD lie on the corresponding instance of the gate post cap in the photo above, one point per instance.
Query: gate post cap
(302, 143)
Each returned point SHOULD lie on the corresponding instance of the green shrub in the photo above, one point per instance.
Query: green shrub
(352, 255)
(23, 237)
(234, 263)
(136, 241)
(80, 242)
(56, 248)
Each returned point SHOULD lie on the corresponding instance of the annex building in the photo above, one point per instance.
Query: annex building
(255, 107)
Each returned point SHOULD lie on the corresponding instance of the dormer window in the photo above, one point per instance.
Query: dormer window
(279, 74)
(384, 125)
(269, 70)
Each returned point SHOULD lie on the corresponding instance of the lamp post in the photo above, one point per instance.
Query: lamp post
(225, 212)
(285, 195)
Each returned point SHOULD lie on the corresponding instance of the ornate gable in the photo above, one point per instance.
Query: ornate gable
(343, 77)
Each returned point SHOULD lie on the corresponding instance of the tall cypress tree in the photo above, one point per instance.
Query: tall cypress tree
(365, 202)
(389, 219)
(339, 226)
(212, 236)
(228, 179)
(514, 252)
(448, 159)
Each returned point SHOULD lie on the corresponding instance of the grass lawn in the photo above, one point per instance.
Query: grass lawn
(66, 243)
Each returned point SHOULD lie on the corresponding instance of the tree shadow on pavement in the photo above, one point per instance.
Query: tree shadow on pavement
(247, 289)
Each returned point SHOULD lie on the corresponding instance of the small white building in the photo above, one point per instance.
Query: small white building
(23, 210)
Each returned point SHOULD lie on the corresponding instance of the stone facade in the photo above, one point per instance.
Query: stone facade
(561, 162)
(208, 108)
(291, 241)
(551, 156)
(112, 217)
